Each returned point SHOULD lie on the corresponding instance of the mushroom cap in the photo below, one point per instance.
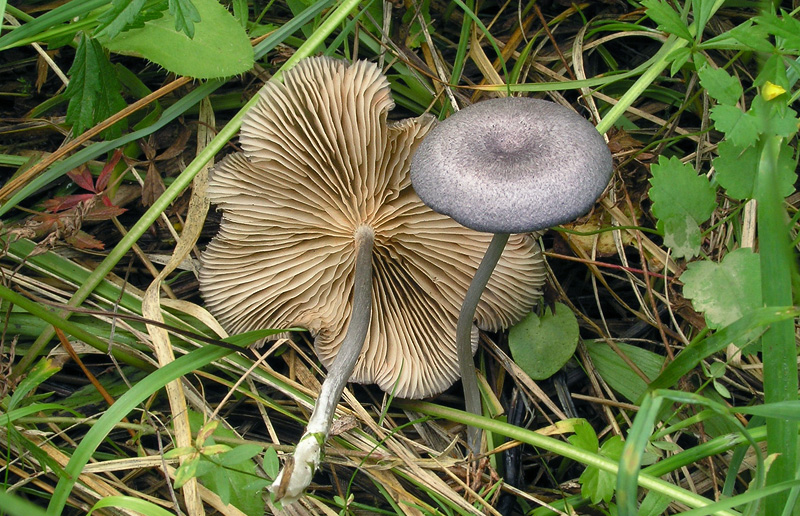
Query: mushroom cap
(512, 165)
(319, 161)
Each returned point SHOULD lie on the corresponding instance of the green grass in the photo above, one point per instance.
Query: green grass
(686, 104)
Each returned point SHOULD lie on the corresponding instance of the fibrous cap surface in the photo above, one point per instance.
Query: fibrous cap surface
(512, 165)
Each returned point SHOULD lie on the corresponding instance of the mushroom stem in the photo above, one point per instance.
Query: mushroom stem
(466, 364)
(298, 471)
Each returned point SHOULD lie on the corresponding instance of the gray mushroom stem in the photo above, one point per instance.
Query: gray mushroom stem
(466, 364)
(293, 479)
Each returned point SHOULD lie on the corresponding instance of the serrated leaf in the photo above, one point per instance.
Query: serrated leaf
(411, 19)
(83, 240)
(775, 118)
(237, 484)
(185, 14)
(746, 36)
(93, 91)
(271, 463)
(683, 236)
(702, 10)
(678, 58)
(542, 345)
(599, 485)
(186, 471)
(654, 504)
(720, 85)
(785, 28)
(667, 18)
(773, 70)
(585, 437)
(216, 34)
(724, 291)
(740, 127)
(736, 170)
(682, 200)
(44, 369)
(122, 14)
(618, 374)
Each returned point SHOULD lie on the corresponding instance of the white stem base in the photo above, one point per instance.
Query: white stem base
(298, 471)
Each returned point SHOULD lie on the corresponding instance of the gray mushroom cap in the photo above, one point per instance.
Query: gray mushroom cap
(512, 165)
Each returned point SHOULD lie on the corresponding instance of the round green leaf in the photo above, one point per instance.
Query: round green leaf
(542, 345)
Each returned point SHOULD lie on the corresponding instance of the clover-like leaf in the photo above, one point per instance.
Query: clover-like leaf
(682, 200)
(740, 127)
(724, 291)
(720, 85)
(736, 169)
(542, 345)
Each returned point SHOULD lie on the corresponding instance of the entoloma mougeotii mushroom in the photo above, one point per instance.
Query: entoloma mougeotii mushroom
(503, 166)
(322, 230)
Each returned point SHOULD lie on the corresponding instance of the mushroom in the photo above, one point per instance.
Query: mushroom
(322, 230)
(502, 166)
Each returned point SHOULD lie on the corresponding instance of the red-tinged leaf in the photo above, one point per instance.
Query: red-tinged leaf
(83, 240)
(65, 203)
(105, 174)
(102, 212)
(82, 178)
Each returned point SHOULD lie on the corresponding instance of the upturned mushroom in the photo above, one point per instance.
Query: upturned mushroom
(321, 229)
(503, 166)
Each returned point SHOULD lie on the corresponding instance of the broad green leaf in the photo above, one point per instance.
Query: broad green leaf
(220, 47)
(186, 471)
(682, 200)
(18, 506)
(618, 374)
(271, 462)
(720, 85)
(542, 345)
(724, 291)
(93, 91)
(667, 18)
(740, 127)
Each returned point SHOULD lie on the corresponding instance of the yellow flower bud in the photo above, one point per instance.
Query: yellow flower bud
(770, 91)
